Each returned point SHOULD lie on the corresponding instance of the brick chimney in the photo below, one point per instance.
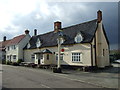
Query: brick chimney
(99, 16)
(26, 31)
(57, 26)
(4, 38)
(35, 32)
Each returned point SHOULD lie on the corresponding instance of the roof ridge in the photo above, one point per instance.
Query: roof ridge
(49, 38)
(16, 40)
(66, 27)
(79, 24)
(18, 36)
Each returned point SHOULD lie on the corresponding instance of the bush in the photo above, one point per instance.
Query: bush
(3, 61)
(15, 64)
(19, 61)
(57, 70)
(8, 62)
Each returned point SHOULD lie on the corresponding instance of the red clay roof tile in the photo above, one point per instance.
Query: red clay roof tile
(16, 40)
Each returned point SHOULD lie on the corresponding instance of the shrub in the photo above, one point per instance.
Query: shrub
(15, 64)
(3, 61)
(8, 62)
(19, 61)
(57, 70)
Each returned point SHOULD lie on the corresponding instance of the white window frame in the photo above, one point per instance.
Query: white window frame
(14, 46)
(41, 56)
(48, 56)
(28, 45)
(33, 56)
(76, 57)
(14, 57)
(8, 48)
(38, 43)
(78, 38)
(8, 57)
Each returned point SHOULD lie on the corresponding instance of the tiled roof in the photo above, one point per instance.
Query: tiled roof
(16, 40)
(3, 44)
(86, 29)
(44, 51)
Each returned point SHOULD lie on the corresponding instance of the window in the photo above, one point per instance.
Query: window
(14, 46)
(103, 52)
(61, 56)
(14, 56)
(4, 57)
(76, 57)
(28, 45)
(33, 56)
(78, 38)
(41, 56)
(8, 56)
(47, 56)
(38, 43)
(8, 48)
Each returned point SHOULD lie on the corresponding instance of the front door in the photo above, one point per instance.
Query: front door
(39, 61)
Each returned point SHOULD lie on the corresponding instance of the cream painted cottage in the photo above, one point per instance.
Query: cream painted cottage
(14, 48)
(84, 44)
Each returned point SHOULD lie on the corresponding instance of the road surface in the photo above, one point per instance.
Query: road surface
(23, 77)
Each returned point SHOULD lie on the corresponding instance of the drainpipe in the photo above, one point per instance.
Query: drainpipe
(91, 54)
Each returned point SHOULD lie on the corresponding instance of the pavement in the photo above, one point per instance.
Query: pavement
(23, 77)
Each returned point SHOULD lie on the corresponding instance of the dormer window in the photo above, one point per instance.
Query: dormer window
(38, 43)
(28, 45)
(78, 38)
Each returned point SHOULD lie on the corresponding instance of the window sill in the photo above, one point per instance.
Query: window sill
(77, 62)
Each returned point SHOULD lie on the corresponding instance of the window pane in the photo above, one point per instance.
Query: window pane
(75, 57)
(47, 56)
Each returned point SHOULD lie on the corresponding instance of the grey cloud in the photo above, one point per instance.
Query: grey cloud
(70, 14)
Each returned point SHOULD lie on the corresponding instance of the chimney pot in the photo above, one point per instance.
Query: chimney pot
(4, 38)
(99, 16)
(57, 26)
(26, 31)
(35, 32)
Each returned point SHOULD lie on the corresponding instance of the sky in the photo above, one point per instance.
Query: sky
(18, 15)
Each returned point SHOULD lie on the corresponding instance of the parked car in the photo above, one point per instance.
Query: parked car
(117, 61)
(22, 63)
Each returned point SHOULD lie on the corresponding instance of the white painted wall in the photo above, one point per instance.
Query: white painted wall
(12, 52)
(21, 45)
(19, 49)
(101, 42)
(85, 49)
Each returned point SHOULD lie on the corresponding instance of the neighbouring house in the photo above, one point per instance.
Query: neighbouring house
(3, 49)
(14, 49)
(84, 44)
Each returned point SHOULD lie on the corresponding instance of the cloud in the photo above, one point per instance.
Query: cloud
(18, 15)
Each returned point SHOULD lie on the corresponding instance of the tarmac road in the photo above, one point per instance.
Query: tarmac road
(23, 77)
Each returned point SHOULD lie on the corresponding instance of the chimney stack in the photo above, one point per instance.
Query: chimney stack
(35, 32)
(4, 38)
(57, 26)
(99, 16)
(26, 32)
